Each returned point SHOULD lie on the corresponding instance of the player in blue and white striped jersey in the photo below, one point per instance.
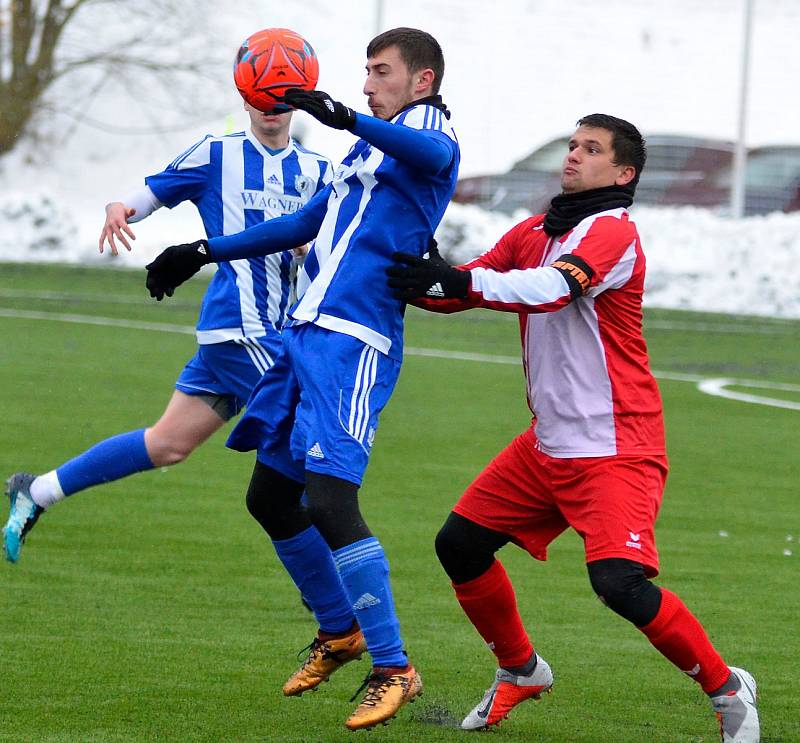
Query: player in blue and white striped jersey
(235, 181)
(342, 352)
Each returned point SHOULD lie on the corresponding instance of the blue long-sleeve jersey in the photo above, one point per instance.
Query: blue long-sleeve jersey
(389, 194)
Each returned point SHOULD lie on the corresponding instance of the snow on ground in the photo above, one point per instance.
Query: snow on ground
(699, 261)
(696, 259)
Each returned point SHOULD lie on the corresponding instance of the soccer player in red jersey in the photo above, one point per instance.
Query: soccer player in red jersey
(594, 458)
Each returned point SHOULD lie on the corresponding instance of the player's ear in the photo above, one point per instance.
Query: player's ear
(423, 79)
(625, 175)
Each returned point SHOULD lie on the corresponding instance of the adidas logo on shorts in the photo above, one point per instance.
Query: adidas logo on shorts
(316, 451)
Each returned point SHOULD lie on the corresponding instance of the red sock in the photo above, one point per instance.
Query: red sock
(681, 639)
(491, 605)
(324, 636)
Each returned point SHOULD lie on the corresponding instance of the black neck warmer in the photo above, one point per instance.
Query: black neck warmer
(431, 100)
(567, 209)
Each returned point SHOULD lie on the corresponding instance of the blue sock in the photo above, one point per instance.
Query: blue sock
(109, 460)
(307, 558)
(365, 575)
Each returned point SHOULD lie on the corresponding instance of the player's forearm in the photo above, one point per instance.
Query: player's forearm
(144, 202)
(529, 290)
(275, 235)
(444, 306)
(266, 238)
(411, 146)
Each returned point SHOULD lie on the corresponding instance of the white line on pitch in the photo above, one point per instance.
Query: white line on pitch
(96, 320)
(717, 388)
(710, 386)
(752, 325)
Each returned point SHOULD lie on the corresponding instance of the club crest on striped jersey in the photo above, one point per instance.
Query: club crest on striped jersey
(302, 183)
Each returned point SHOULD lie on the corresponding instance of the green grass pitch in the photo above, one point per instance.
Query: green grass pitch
(154, 609)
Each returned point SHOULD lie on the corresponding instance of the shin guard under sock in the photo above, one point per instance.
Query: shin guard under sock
(491, 605)
(365, 575)
(109, 460)
(308, 560)
(681, 639)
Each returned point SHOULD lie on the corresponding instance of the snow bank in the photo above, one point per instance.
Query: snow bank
(696, 259)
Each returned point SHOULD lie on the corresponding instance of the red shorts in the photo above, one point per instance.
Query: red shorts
(612, 502)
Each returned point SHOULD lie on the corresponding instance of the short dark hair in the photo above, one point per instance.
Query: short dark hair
(418, 49)
(629, 146)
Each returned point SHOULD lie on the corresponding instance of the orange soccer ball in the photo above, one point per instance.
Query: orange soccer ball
(270, 62)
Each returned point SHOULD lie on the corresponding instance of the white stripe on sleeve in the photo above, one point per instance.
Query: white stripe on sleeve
(530, 286)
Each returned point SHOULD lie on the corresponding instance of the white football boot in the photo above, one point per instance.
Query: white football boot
(737, 711)
(507, 691)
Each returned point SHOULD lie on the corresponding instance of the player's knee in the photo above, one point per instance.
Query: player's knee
(451, 544)
(466, 549)
(332, 505)
(256, 504)
(616, 581)
(164, 452)
(623, 587)
(318, 514)
(331, 500)
(274, 501)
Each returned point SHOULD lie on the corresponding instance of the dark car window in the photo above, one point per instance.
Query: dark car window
(765, 170)
(773, 169)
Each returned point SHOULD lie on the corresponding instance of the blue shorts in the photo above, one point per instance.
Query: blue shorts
(229, 370)
(332, 388)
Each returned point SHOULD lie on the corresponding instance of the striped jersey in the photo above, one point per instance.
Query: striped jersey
(376, 205)
(579, 299)
(235, 182)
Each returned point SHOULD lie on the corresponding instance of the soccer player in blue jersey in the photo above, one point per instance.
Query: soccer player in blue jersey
(235, 181)
(343, 347)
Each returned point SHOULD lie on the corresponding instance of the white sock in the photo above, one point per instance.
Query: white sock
(46, 490)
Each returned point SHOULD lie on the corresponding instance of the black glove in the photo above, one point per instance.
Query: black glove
(175, 265)
(412, 277)
(321, 106)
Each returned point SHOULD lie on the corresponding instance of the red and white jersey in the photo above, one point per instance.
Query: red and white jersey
(579, 299)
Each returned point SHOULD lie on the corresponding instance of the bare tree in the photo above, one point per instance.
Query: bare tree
(56, 55)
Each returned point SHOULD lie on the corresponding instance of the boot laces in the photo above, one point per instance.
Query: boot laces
(318, 647)
(376, 684)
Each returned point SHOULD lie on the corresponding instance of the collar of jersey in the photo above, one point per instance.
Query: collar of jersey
(276, 154)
